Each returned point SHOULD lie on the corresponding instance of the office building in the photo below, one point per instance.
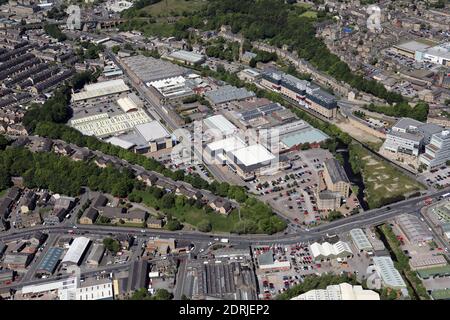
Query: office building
(408, 136)
(437, 153)
(302, 92)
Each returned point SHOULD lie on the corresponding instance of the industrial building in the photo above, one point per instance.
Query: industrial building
(150, 136)
(437, 152)
(50, 261)
(360, 240)
(425, 51)
(76, 251)
(100, 89)
(148, 69)
(326, 250)
(267, 263)
(335, 177)
(252, 160)
(170, 88)
(130, 103)
(104, 125)
(299, 132)
(409, 48)
(17, 260)
(413, 229)
(228, 93)
(220, 279)
(186, 57)
(96, 255)
(302, 92)
(384, 266)
(219, 126)
(343, 291)
(217, 151)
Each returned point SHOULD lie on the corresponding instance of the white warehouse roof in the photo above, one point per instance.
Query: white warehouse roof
(360, 240)
(328, 250)
(252, 155)
(116, 141)
(127, 104)
(188, 56)
(343, 291)
(76, 250)
(152, 131)
(229, 144)
(101, 89)
(219, 122)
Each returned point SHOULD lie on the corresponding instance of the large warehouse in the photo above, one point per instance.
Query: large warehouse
(172, 87)
(50, 261)
(250, 160)
(147, 69)
(187, 57)
(104, 125)
(327, 250)
(100, 89)
(220, 124)
(76, 251)
(217, 150)
(146, 137)
(228, 93)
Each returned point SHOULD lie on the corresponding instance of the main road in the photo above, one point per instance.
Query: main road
(367, 218)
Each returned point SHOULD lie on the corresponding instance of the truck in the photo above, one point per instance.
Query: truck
(446, 195)
(224, 240)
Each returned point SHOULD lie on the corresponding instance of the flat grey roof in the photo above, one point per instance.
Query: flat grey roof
(228, 93)
(412, 46)
(150, 69)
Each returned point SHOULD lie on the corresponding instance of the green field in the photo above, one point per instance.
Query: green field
(193, 216)
(167, 8)
(309, 14)
(303, 5)
(384, 183)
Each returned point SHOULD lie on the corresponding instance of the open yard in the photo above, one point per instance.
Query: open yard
(384, 183)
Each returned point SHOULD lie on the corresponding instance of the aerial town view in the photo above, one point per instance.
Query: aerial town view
(233, 150)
